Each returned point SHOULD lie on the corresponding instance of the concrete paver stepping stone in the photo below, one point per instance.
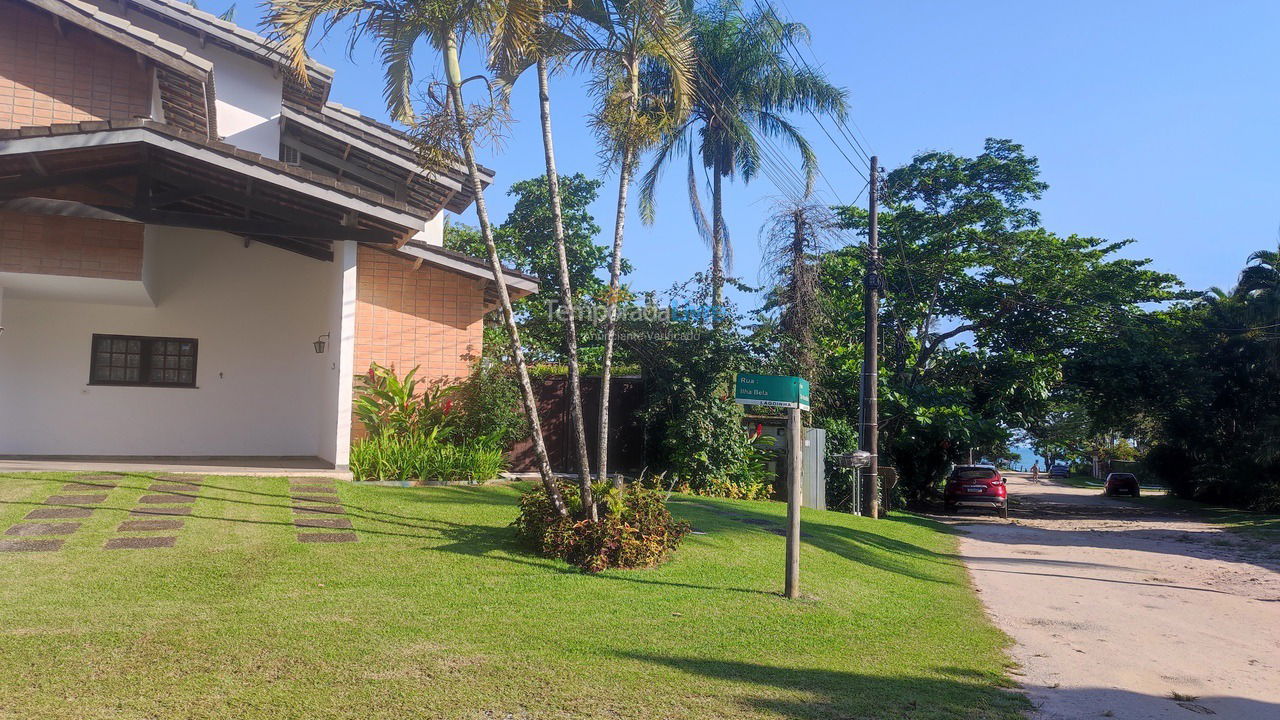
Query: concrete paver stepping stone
(144, 525)
(30, 545)
(34, 529)
(337, 523)
(165, 499)
(59, 513)
(139, 543)
(75, 499)
(326, 537)
(179, 477)
(161, 511)
(174, 487)
(84, 487)
(314, 498)
(331, 509)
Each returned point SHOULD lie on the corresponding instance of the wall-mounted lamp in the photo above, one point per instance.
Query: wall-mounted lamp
(320, 343)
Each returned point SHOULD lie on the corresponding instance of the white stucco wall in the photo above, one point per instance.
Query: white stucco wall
(432, 233)
(247, 92)
(263, 390)
(248, 101)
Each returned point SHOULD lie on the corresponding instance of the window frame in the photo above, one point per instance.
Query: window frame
(144, 361)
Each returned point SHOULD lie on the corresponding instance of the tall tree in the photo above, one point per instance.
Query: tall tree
(397, 27)
(508, 55)
(633, 37)
(525, 243)
(612, 38)
(745, 86)
(983, 307)
(793, 239)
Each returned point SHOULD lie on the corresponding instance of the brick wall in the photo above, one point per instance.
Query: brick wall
(47, 77)
(52, 245)
(406, 317)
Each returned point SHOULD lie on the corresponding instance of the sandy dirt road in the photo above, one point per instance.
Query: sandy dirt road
(1115, 607)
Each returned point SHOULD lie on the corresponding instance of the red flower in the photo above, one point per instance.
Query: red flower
(448, 406)
(759, 429)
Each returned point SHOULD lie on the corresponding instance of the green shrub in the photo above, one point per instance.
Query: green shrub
(424, 459)
(390, 405)
(635, 529)
(486, 406)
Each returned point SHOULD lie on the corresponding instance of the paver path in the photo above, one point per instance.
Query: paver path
(314, 500)
(169, 490)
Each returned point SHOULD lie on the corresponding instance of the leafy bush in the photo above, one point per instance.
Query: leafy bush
(747, 478)
(424, 459)
(486, 406)
(635, 529)
(390, 405)
(689, 369)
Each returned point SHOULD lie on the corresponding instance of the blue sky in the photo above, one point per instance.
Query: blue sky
(1152, 120)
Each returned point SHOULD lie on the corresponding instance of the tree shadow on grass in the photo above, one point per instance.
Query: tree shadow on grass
(806, 692)
(865, 548)
(501, 544)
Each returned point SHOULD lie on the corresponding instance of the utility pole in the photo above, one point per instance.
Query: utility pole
(870, 430)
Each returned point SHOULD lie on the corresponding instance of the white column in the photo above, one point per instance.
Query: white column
(335, 439)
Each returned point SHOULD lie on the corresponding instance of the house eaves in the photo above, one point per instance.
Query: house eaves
(101, 134)
(517, 282)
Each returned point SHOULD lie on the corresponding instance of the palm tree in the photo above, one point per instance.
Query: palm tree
(1261, 276)
(509, 57)
(444, 24)
(605, 35)
(635, 36)
(746, 82)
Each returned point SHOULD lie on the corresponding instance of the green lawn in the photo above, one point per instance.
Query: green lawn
(436, 613)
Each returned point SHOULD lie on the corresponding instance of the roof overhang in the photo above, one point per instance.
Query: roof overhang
(337, 137)
(151, 173)
(518, 284)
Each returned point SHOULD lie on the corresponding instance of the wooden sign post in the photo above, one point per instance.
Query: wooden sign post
(791, 393)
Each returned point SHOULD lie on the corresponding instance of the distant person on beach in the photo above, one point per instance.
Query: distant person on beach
(1035, 471)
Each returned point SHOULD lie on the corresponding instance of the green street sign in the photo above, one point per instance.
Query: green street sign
(771, 390)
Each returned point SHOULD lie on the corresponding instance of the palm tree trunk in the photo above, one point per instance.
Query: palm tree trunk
(717, 241)
(615, 279)
(454, 72)
(566, 297)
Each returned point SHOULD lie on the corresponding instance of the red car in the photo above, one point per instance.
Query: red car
(976, 486)
(1117, 483)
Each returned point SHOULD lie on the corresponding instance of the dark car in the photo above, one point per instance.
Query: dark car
(1121, 484)
(1059, 470)
(976, 486)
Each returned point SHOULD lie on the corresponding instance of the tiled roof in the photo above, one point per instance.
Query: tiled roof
(399, 138)
(89, 16)
(200, 21)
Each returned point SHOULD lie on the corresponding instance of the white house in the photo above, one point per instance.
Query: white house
(198, 251)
